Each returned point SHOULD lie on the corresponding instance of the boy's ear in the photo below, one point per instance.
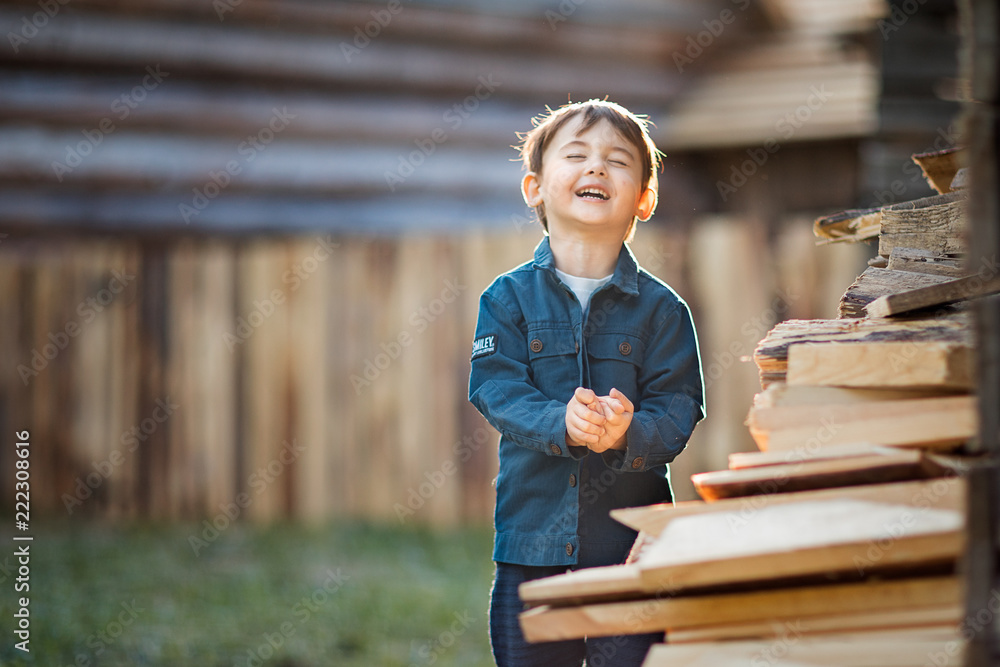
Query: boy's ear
(647, 204)
(531, 189)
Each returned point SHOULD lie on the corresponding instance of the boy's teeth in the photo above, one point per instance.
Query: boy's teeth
(592, 193)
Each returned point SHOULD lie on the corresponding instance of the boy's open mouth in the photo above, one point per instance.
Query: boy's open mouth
(593, 193)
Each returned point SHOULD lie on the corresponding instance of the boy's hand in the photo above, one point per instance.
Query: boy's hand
(585, 419)
(618, 415)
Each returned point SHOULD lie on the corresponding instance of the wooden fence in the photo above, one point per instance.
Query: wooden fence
(320, 376)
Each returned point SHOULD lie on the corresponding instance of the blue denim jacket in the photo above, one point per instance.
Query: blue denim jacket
(533, 347)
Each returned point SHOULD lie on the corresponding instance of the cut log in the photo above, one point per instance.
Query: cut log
(876, 282)
(939, 493)
(940, 167)
(816, 427)
(934, 295)
(883, 364)
(925, 621)
(786, 604)
(864, 649)
(925, 261)
(933, 223)
(771, 354)
(875, 468)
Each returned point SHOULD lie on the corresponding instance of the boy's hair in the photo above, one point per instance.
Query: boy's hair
(634, 128)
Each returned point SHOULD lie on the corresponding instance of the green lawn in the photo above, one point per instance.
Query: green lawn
(346, 594)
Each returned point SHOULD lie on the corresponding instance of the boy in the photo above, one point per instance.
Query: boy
(588, 367)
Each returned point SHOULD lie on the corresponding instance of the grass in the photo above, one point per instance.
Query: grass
(283, 596)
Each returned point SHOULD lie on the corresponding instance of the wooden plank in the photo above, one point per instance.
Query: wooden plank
(933, 223)
(806, 539)
(586, 586)
(881, 467)
(926, 431)
(923, 620)
(940, 167)
(771, 353)
(863, 649)
(671, 613)
(741, 460)
(779, 394)
(853, 225)
(875, 283)
(882, 364)
(861, 422)
(925, 261)
(933, 295)
(938, 493)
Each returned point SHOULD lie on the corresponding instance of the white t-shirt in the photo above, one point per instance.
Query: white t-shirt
(583, 288)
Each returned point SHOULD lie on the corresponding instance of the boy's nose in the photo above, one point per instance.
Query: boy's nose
(597, 168)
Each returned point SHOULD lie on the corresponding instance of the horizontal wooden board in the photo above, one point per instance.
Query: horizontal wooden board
(882, 364)
(800, 539)
(925, 261)
(863, 649)
(939, 493)
(933, 223)
(614, 582)
(786, 604)
(871, 468)
(933, 295)
(875, 283)
(779, 394)
(771, 353)
(933, 423)
(923, 620)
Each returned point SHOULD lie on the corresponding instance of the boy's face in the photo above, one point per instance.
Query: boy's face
(590, 179)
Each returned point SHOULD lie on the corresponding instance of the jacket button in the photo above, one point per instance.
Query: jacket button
(625, 348)
(555, 449)
(569, 549)
(636, 463)
(572, 480)
(536, 345)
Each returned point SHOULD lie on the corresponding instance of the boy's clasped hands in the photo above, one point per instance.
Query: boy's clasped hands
(598, 422)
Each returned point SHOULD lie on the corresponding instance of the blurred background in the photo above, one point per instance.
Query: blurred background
(241, 248)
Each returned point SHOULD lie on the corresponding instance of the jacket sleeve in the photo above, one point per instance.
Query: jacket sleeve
(671, 399)
(501, 388)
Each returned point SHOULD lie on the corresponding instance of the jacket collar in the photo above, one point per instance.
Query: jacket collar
(626, 275)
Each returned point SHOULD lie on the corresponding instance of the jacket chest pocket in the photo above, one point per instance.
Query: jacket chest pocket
(552, 357)
(615, 361)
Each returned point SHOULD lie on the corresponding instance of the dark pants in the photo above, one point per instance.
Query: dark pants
(511, 650)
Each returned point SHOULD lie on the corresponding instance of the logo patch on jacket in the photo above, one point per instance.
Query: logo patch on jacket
(484, 346)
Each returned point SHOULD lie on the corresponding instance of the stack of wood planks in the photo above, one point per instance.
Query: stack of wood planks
(838, 542)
